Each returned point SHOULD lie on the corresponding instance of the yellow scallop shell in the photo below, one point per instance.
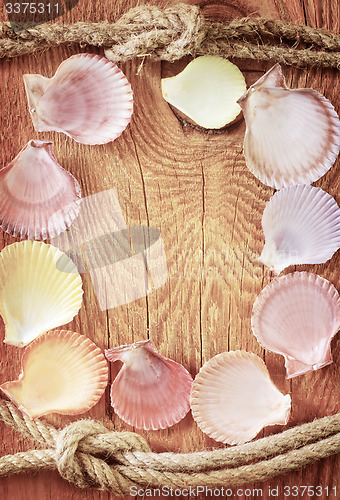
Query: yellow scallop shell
(40, 289)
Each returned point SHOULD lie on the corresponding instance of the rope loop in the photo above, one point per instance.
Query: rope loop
(167, 35)
(181, 30)
(67, 459)
(78, 445)
(88, 454)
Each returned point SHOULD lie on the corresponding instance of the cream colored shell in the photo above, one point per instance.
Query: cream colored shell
(62, 372)
(40, 289)
(206, 91)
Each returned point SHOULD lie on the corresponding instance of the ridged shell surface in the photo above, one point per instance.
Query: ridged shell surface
(38, 198)
(62, 372)
(292, 135)
(233, 398)
(88, 99)
(301, 225)
(150, 391)
(297, 316)
(40, 289)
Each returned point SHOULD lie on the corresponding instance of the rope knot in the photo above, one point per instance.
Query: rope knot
(188, 28)
(88, 454)
(83, 449)
(167, 34)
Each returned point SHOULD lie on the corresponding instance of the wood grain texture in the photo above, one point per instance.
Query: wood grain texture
(196, 189)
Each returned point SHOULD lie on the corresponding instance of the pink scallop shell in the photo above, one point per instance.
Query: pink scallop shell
(62, 372)
(302, 226)
(38, 198)
(150, 391)
(233, 398)
(292, 135)
(297, 316)
(88, 99)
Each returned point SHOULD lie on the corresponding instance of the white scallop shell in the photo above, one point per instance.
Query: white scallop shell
(297, 316)
(62, 372)
(292, 136)
(150, 391)
(233, 398)
(38, 198)
(40, 289)
(206, 91)
(88, 99)
(301, 225)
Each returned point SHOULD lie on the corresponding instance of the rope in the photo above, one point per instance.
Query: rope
(85, 452)
(174, 32)
(88, 454)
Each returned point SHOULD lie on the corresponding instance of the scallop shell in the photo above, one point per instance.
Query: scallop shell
(40, 289)
(62, 372)
(38, 198)
(233, 398)
(292, 136)
(150, 391)
(88, 99)
(206, 91)
(301, 225)
(297, 316)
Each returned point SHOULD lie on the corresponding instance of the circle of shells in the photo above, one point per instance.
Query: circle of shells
(301, 224)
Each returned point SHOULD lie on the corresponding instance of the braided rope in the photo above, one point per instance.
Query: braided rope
(88, 454)
(172, 33)
(85, 452)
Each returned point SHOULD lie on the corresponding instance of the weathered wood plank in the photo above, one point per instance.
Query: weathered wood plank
(196, 189)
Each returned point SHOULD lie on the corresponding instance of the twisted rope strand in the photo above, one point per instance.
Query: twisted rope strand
(260, 471)
(85, 452)
(259, 28)
(281, 54)
(27, 461)
(172, 33)
(41, 432)
(88, 454)
(260, 449)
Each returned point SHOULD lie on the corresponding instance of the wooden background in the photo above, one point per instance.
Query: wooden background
(196, 189)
